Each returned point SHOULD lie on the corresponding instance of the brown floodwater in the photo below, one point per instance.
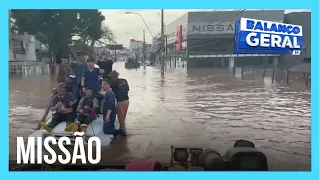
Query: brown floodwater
(200, 107)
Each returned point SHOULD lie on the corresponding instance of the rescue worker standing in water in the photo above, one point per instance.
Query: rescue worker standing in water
(120, 88)
(109, 111)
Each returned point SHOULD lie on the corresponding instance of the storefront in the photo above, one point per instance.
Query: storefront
(303, 19)
(208, 38)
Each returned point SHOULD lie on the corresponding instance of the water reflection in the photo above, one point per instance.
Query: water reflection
(201, 107)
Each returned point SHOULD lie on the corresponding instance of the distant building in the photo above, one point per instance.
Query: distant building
(135, 45)
(148, 45)
(136, 48)
(99, 50)
(22, 47)
(302, 62)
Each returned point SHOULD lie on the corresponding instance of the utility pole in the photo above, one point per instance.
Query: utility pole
(115, 55)
(144, 49)
(138, 54)
(162, 44)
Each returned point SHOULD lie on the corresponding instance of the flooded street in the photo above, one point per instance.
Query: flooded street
(199, 108)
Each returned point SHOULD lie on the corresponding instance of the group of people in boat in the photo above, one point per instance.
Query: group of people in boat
(87, 90)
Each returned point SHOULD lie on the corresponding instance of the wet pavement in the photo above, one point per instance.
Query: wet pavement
(199, 108)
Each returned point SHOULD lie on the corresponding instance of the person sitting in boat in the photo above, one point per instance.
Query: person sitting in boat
(109, 111)
(87, 112)
(91, 77)
(61, 104)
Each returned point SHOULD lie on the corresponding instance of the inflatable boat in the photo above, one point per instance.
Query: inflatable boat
(94, 129)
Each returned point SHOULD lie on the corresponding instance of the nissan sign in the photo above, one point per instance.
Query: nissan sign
(211, 28)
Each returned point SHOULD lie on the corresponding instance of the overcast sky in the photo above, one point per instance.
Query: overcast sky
(130, 26)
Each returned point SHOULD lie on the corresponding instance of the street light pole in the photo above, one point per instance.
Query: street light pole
(162, 44)
(144, 49)
(142, 20)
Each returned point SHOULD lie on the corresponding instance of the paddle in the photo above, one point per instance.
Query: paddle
(46, 112)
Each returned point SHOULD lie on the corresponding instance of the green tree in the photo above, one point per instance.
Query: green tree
(79, 45)
(94, 31)
(54, 28)
(57, 28)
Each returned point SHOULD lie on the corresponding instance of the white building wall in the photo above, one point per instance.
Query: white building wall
(30, 48)
(29, 43)
(134, 45)
(10, 49)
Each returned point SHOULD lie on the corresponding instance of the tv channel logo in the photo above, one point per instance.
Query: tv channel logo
(266, 37)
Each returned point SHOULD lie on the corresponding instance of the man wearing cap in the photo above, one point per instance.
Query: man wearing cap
(120, 87)
(91, 77)
(62, 104)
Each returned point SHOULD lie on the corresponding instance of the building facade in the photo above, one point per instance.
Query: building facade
(22, 47)
(136, 48)
(303, 19)
(208, 38)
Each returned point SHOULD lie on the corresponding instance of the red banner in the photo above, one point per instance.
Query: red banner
(179, 38)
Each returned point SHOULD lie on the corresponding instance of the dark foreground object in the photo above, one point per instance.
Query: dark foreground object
(242, 157)
(80, 167)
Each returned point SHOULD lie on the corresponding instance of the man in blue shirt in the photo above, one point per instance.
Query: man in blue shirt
(109, 111)
(90, 77)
